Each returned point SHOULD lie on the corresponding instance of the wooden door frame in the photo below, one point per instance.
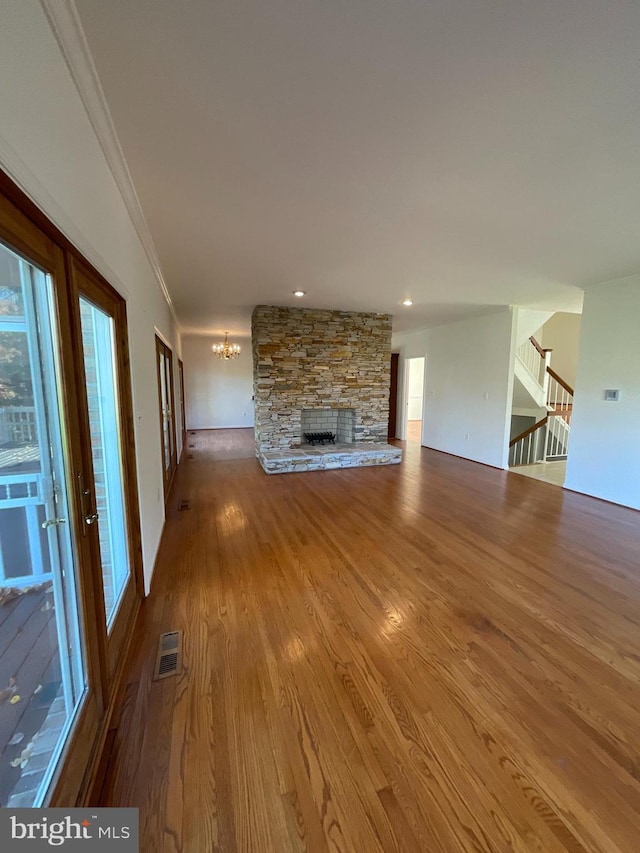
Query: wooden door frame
(183, 412)
(393, 396)
(84, 283)
(167, 479)
(28, 231)
(26, 238)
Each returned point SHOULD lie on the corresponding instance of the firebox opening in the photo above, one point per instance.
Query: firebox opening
(327, 426)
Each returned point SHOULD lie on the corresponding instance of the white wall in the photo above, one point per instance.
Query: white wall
(416, 388)
(562, 334)
(529, 322)
(48, 146)
(218, 393)
(604, 450)
(469, 383)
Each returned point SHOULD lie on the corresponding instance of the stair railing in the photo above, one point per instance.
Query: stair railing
(529, 446)
(535, 359)
(559, 396)
(548, 439)
(556, 444)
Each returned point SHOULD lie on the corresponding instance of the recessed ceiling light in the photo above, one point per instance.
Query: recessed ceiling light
(298, 293)
(407, 302)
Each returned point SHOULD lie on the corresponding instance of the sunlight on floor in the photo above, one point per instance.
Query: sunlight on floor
(414, 431)
(549, 472)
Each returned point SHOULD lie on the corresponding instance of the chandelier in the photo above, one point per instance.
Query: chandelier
(226, 350)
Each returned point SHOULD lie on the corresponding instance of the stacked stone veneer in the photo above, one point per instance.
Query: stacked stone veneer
(306, 358)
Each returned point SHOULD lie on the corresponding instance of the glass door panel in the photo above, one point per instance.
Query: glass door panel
(108, 509)
(42, 661)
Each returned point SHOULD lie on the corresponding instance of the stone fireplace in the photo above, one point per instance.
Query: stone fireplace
(326, 369)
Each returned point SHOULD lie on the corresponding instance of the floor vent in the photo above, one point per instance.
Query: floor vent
(169, 659)
(189, 455)
(183, 504)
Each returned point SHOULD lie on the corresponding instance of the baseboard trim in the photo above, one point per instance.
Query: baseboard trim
(465, 458)
(212, 429)
(157, 557)
(598, 498)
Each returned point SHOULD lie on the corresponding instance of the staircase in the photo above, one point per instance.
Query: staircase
(548, 439)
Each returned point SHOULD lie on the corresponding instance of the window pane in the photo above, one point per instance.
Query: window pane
(100, 369)
(19, 445)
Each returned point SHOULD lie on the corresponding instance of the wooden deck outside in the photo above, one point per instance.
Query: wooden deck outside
(30, 680)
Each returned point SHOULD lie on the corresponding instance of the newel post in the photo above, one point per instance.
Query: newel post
(545, 378)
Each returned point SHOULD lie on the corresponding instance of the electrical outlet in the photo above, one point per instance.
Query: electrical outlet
(467, 436)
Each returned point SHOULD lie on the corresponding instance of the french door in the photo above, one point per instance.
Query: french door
(69, 538)
(166, 397)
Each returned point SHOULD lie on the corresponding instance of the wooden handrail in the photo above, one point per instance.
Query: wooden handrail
(564, 414)
(541, 350)
(560, 381)
(528, 431)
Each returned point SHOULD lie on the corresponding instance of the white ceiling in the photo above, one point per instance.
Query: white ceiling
(466, 153)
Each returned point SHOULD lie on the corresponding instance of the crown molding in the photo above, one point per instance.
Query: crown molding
(32, 186)
(66, 25)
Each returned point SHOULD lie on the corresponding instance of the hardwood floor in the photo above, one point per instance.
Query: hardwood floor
(414, 431)
(433, 656)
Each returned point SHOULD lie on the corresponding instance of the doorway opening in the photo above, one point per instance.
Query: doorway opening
(414, 398)
(543, 390)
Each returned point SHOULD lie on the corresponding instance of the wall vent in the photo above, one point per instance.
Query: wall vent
(169, 657)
